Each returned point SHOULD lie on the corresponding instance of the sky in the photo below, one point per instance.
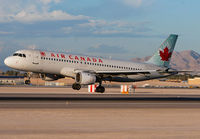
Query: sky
(120, 29)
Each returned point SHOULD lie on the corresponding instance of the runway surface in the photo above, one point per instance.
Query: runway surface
(43, 100)
(62, 113)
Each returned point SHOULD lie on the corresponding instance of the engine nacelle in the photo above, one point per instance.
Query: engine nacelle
(85, 78)
(50, 77)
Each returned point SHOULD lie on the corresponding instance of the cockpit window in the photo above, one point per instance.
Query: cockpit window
(15, 54)
(20, 55)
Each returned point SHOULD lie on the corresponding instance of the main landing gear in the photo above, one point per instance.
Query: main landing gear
(76, 86)
(99, 89)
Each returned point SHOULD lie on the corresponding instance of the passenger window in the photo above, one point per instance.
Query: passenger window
(24, 55)
(20, 55)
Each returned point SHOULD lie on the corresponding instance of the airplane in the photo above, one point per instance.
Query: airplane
(87, 70)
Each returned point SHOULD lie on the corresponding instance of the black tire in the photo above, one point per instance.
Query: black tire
(27, 82)
(100, 89)
(76, 86)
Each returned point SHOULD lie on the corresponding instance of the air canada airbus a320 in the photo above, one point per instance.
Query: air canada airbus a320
(86, 70)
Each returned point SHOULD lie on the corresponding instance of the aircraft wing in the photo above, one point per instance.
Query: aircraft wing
(132, 72)
(138, 72)
(125, 72)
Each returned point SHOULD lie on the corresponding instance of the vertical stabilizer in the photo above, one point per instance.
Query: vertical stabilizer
(163, 56)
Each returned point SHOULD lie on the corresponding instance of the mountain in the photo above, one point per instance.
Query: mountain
(184, 60)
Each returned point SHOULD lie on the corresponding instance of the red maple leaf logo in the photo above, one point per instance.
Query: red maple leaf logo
(43, 53)
(165, 55)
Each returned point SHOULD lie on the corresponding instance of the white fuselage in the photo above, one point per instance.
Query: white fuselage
(68, 64)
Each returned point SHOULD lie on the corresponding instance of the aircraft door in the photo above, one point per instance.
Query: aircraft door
(36, 58)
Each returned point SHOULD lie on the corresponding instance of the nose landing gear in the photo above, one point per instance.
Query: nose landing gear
(28, 81)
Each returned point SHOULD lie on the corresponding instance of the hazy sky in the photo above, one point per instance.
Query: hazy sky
(119, 28)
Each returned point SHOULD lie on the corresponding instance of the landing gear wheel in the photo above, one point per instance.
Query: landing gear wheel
(76, 86)
(100, 89)
(27, 82)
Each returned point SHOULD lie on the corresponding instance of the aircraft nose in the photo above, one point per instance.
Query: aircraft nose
(8, 61)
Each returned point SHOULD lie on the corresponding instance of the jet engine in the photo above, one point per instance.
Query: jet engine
(50, 77)
(85, 78)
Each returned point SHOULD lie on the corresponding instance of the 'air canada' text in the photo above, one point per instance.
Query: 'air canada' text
(74, 57)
